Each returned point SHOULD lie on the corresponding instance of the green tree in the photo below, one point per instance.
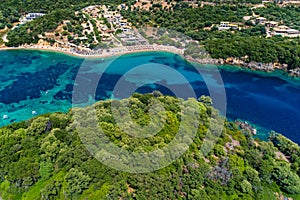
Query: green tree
(46, 170)
(246, 186)
(76, 181)
(288, 180)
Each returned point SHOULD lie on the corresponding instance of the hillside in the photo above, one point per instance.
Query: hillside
(42, 161)
(274, 40)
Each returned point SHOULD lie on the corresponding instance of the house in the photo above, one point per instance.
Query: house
(106, 37)
(227, 26)
(260, 20)
(117, 18)
(285, 31)
(31, 16)
(123, 22)
(108, 31)
(224, 26)
(280, 30)
(109, 14)
(83, 38)
(271, 24)
(89, 8)
(126, 28)
(93, 11)
(292, 33)
(234, 26)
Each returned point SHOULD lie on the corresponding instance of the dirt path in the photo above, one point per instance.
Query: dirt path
(4, 38)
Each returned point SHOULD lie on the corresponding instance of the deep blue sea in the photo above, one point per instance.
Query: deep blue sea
(37, 82)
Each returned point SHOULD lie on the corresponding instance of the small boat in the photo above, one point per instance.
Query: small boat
(34, 112)
(5, 117)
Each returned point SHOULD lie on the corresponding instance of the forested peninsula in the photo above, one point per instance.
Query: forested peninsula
(39, 161)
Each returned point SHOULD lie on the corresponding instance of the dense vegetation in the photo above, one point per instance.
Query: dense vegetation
(288, 15)
(56, 12)
(38, 162)
(183, 18)
(198, 23)
(11, 10)
(275, 49)
(28, 33)
(250, 42)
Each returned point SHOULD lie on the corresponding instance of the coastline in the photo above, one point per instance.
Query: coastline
(118, 51)
(106, 53)
(252, 66)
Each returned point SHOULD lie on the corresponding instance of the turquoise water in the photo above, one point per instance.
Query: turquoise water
(44, 82)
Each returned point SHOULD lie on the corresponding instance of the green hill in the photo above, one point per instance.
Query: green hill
(36, 163)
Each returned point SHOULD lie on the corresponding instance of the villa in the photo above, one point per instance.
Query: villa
(126, 28)
(93, 11)
(227, 26)
(260, 20)
(118, 18)
(285, 31)
(123, 22)
(109, 14)
(106, 37)
(292, 33)
(30, 16)
(271, 24)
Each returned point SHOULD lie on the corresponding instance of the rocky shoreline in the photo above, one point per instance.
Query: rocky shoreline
(295, 72)
(259, 66)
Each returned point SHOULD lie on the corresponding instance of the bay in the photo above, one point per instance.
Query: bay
(37, 82)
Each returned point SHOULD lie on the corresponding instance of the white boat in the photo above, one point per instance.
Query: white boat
(34, 112)
(5, 116)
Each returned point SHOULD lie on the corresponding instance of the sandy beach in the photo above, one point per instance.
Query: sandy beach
(100, 53)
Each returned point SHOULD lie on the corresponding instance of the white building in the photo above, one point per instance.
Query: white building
(260, 20)
(123, 22)
(31, 16)
(117, 18)
(285, 31)
(227, 26)
(271, 24)
(126, 28)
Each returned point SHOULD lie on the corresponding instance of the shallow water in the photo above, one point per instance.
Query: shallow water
(44, 82)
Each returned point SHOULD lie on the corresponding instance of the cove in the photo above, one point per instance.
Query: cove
(44, 82)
